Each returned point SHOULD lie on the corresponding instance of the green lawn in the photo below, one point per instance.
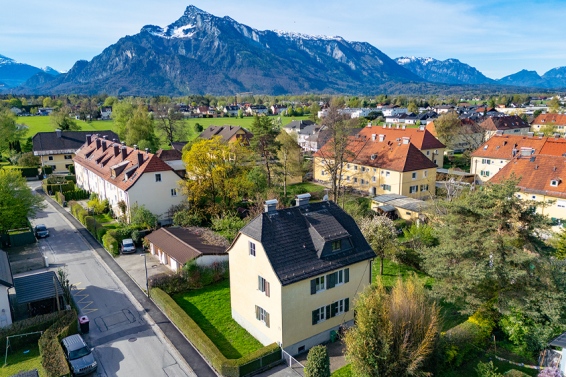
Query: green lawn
(345, 371)
(392, 271)
(302, 188)
(19, 361)
(209, 307)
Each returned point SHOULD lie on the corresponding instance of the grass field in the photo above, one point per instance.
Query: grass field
(209, 307)
(43, 123)
(345, 371)
(19, 361)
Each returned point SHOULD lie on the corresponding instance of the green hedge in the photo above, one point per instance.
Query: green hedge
(28, 172)
(57, 187)
(29, 325)
(77, 194)
(225, 367)
(60, 197)
(46, 169)
(52, 356)
(110, 244)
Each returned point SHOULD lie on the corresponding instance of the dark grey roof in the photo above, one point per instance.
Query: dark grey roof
(37, 287)
(294, 238)
(386, 208)
(298, 125)
(69, 141)
(560, 341)
(178, 145)
(225, 132)
(5, 270)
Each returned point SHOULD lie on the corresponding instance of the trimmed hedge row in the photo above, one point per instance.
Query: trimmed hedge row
(57, 187)
(77, 194)
(27, 172)
(52, 356)
(29, 325)
(225, 367)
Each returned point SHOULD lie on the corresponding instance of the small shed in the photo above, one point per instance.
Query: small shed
(175, 246)
(397, 206)
(38, 294)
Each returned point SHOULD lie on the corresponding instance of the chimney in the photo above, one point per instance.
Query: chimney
(384, 125)
(98, 143)
(373, 136)
(105, 137)
(116, 150)
(58, 132)
(135, 147)
(270, 206)
(421, 128)
(146, 150)
(124, 153)
(302, 199)
(381, 137)
(104, 145)
(88, 139)
(530, 134)
(403, 127)
(140, 159)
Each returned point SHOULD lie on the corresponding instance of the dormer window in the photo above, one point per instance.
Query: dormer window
(336, 245)
(555, 182)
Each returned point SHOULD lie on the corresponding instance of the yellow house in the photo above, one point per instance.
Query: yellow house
(542, 178)
(295, 273)
(57, 149)
(378, 165)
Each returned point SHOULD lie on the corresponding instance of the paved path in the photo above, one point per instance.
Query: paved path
(186, 350)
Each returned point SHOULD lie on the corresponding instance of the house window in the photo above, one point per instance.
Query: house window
(53, 167)
(355, 167)
(263, 285)
(336, 245)
(173, 192)
(50, 158)
(348, 166)
(428, 153)
(414, 175)
(157, 177)
(561, 204)
(413, 189)
(262, 315)
(486, 161)
(386, 187)
(425, 173)
(424, 187)
(319, 315)
(252, 248)
(387, 174)
(68, 157)
(340, 277)
(373, 179)
(374, 170)
(340, 306)
(363, 168)
(355, 180)
(319, 284)
(533, 197)
(484, 173)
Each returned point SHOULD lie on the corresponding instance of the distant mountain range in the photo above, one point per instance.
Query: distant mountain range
(13, 74)
(201, 53)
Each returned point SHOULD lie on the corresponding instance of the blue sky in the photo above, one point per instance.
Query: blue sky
(497, 37)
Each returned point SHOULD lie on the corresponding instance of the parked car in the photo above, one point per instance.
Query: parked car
(78, 355)
(40, 231)
(128, 246)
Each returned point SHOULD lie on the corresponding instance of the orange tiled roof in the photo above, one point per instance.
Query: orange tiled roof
(554, 147)
(102, 161)
(552, 119)
(535, 174)
(388, 154)
(502, 146)
(421, 139)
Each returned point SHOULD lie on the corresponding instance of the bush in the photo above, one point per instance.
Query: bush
(90, 224)
(46, 169)
(463, 342)
(515, 373)
(52, 356)
(100, 232)
(225, 367)
(487, 370)
(78, 194)
(59, 197)
(110, 244)
(186, 218)
(71, 169)
(228, 225)
(318, 362)
(26, 171)
(192, 276)
(29, 325)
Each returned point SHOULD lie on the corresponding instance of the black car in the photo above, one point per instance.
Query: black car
(41, 231)
(80, 357)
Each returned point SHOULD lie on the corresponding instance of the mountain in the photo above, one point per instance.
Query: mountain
(449, 71)
(556, 77)
(202, 53)
(525, 78)
(13, 73)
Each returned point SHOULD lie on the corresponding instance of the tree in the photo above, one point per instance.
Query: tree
(264, 142)
(140, 215)
(217, 174)
(335, 152)
(554, 104)
(169, 121)
(548, 130)
(318, 362)
(395, 333)
(17, 201)
(412, 107)
(489, 253)
(62, 120)
(135, 125)
(536, 113)
(487, 370)
(448, 126)
(289, 158)
(10, 131)
(110, 101)
(315, 108)
(28, 159)
(560, 247)
(381, 234)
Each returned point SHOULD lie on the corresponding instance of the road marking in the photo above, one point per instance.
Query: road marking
(84, 303)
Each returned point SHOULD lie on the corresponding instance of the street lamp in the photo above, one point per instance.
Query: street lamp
(146, 280)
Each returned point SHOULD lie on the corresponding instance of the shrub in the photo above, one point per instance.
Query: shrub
(59, 197)
(100, 232)
(515, 373)
(188, 217)
(228, 225)
(78, 194)
(29, 325)
(192, 276)
(110, 244)
(52, 356)
(90, 224)
(46, 169)
(550, 372)
(487, 370)
(318, 362)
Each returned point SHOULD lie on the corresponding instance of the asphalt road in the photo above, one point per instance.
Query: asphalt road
(130, 335)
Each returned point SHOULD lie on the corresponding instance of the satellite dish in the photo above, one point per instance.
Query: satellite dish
(325, 198)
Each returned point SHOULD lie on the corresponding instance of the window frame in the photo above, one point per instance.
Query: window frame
(158, 177)
(251, 248)
(173, 192)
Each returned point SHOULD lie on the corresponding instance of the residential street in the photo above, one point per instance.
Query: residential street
(126, 339)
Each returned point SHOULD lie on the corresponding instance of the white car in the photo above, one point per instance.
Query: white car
(128, 246)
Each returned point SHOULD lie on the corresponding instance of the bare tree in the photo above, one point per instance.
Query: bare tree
(168, 120)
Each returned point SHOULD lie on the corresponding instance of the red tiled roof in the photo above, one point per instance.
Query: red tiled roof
(388, 154)
(554, 147)
(501, 146)
(421, 139)
(101, 162)
(169, 155)
(535, 174)
(552, 119)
